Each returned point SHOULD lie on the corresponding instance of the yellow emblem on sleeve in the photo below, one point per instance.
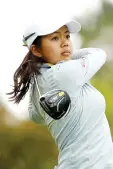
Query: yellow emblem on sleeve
(61, 94)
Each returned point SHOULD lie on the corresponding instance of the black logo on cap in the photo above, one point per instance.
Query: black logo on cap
(27, 37)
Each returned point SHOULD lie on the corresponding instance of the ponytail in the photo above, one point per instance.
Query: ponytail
(24, 73)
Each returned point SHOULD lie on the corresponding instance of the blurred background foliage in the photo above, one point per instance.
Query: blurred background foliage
(25, 145)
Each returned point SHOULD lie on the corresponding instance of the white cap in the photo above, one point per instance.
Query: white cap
(40, 29)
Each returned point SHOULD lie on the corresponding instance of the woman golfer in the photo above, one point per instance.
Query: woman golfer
(82, 133)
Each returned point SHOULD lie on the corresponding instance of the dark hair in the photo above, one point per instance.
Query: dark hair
(24, 73)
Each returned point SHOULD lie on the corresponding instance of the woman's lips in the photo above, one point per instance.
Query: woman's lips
(66, 53)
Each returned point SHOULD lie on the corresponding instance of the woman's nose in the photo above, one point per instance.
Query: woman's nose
(64, 43)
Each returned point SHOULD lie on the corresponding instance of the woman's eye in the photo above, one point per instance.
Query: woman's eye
(55, 38)
(68, 36)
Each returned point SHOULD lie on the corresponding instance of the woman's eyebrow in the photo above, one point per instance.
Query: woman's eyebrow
(60, 32)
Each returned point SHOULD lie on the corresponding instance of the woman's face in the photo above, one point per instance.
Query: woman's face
(56, 46)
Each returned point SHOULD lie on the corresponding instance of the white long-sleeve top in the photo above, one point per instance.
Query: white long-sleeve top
(82, 135)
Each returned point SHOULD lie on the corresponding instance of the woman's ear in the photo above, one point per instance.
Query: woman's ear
(36, 51)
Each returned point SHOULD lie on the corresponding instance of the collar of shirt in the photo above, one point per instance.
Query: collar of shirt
(49, 65)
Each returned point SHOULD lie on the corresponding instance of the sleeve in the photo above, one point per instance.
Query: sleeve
(83, 66)
(34, 112)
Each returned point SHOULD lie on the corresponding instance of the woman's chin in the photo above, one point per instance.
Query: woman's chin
(67, 58)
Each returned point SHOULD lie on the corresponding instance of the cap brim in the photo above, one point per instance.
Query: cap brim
(73, 26)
